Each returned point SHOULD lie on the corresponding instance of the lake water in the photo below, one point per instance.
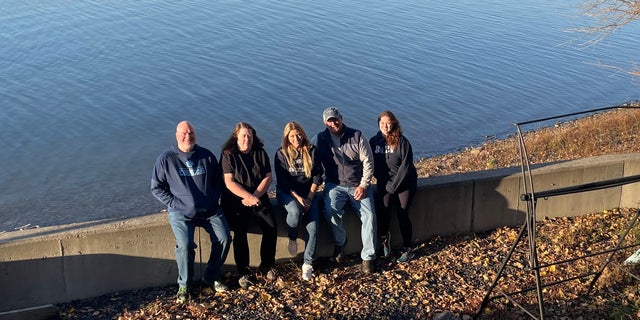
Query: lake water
(91, 91)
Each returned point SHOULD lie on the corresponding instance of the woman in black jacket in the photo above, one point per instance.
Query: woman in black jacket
(299, 174)
(397, 180)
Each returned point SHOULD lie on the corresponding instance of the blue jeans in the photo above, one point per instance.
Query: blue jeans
(335, 198)
(183, 231)
(294, 212)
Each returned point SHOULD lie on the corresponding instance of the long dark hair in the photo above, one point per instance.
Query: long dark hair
(396, 131)
(231, 145)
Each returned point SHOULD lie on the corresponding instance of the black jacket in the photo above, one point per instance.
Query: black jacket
(394, 169)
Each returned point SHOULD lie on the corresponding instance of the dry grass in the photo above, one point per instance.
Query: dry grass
(613, 132)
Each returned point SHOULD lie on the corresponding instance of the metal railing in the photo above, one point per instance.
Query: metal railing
(528, 228)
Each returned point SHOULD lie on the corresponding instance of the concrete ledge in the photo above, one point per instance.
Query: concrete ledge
(64, 263)
(36, 313)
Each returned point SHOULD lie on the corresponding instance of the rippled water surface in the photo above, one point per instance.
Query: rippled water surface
(91, 91)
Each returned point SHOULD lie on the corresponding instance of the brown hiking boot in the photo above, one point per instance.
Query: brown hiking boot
(368, 266)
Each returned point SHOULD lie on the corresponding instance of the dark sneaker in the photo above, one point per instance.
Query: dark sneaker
(367, 266)
(406, 256)
(183, 295)
(268, 272)
(272, 274)
(338, 254)
(244, 282)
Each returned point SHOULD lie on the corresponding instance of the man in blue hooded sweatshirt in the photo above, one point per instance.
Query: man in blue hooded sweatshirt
(188, 180)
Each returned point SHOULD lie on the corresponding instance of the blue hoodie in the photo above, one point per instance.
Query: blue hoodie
(188, 183)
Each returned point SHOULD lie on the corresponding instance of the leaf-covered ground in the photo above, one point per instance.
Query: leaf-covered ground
(449, 274)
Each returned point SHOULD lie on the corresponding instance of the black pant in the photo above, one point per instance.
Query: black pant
(239, 218)
(401, 201)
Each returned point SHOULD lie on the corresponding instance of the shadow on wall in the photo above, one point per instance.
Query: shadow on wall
(467, 203)
(83, 276)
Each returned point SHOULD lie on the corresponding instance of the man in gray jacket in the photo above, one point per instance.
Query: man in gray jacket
(347, 159)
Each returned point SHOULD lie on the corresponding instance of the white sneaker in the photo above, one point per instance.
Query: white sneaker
(219, 286)
(307, 272)
(292, 246)
(633, 259)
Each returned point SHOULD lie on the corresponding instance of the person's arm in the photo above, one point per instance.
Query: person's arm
(406, 155)
(159, 186)
(217, 181)
(248, 199)
(312, 191)
(262, 159)
(316, 174)
(264, 185)
(228, 169)
(366, 156)
(282, 172)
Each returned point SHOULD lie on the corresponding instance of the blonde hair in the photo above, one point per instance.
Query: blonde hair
(291, 153)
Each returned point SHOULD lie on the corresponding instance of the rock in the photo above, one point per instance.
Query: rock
(445, 316)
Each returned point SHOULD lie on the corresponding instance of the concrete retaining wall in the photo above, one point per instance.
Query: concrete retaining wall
(64, 263)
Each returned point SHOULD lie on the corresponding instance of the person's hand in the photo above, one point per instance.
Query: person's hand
(304, 202)
(306, 205)
(360, 193)
(251, 201)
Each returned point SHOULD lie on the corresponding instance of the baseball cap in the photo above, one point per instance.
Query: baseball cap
(331, 112)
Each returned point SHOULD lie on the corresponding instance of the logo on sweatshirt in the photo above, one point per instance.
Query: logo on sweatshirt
(297, 168)
(190, 171)
(381, 149)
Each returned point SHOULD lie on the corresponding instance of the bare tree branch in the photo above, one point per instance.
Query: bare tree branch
(634, 71)
(608, 16)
